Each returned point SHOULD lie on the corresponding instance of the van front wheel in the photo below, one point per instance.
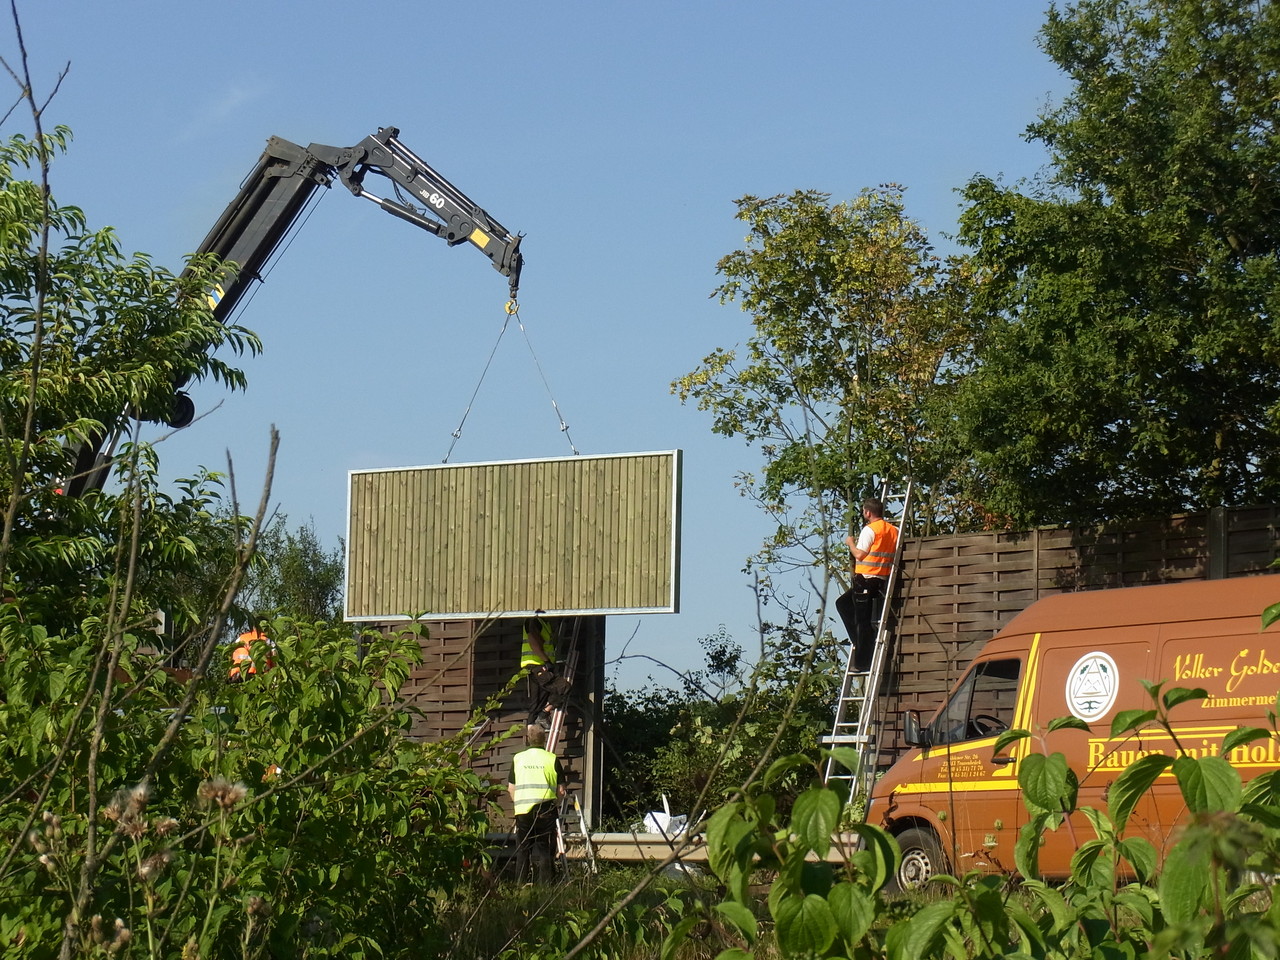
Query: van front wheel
(922, 858)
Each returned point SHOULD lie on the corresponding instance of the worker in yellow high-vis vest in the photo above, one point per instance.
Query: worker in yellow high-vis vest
(548, 690)
(873, 552)
(535, 786)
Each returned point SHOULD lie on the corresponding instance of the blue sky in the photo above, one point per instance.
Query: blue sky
(615, 136)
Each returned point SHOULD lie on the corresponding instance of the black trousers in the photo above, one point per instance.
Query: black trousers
(859, 608)
(547, 692)
(535, 842)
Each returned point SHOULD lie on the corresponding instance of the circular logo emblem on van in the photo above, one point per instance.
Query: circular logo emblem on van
(1092, 685)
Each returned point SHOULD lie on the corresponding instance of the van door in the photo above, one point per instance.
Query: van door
(1091, 675)
(970, 793)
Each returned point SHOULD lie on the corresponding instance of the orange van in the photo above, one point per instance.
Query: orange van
(954, 806)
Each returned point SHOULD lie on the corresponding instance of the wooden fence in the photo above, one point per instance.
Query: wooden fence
(467, 663)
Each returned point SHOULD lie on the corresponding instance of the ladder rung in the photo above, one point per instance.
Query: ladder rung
(844, 738)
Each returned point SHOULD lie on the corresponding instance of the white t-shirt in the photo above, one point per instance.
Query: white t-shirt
(865, 539)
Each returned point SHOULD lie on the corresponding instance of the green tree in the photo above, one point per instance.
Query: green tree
(294, 575)
(1127, 366)
(143, 813)
(854, 320)
(92, 342)
(695, 745)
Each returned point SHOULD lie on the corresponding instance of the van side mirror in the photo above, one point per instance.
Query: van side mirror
(911, 732)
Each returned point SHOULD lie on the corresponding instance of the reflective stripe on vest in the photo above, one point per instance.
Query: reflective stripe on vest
(884, 546)
(535, 778)
(530, 659)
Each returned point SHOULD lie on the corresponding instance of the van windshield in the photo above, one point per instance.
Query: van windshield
(982, 705)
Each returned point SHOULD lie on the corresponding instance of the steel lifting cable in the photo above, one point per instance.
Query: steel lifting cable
(514, 309)
(457, 433)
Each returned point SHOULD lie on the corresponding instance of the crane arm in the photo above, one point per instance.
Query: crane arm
(273, 196)
(276, 192)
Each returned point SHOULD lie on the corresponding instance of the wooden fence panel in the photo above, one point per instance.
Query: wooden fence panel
(466, 663)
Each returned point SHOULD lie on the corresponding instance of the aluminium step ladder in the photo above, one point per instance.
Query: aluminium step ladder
(572, 827)
(856, 723)
(571, 822)
(570, 663)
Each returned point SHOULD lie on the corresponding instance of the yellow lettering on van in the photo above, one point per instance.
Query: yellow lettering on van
(1262, 754)
(1097, 749)
(1246, 665)
(1191, 666)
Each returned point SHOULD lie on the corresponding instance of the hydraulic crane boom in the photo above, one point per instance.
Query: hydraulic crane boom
(268, 205)
(277, 190)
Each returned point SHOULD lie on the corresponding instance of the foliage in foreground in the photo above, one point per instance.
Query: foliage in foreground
(1211, 897)
(140, 815)
(278, 798)
(505, 923)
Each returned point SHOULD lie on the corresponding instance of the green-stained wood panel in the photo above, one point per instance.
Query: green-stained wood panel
(577, 535)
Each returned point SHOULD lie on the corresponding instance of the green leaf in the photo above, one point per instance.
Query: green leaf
(854, 911)
(1052, 899)
(1033, 936)
(738, 882)
(734, 953)
(925, 928)
(1067, 723)
(1103, 828)
(1179, 695)
(804, 925)
(1129, 720)
(726, 833)
(1242, 735)
(1047, 783)
(784, 765)
(814, 818)
(678, 934)
(742, 919)
(1142, 855)
(1089, 866)
(1207, 783)
(1138, 900)
(882, 850)
(1007, 737)
(1133, 782)
(847, 757)
(1270, 615)
(1184, 882)
(1026, 852)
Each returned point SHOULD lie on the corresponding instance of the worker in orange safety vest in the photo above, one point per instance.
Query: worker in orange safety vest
(873, 552)
(243, 664)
